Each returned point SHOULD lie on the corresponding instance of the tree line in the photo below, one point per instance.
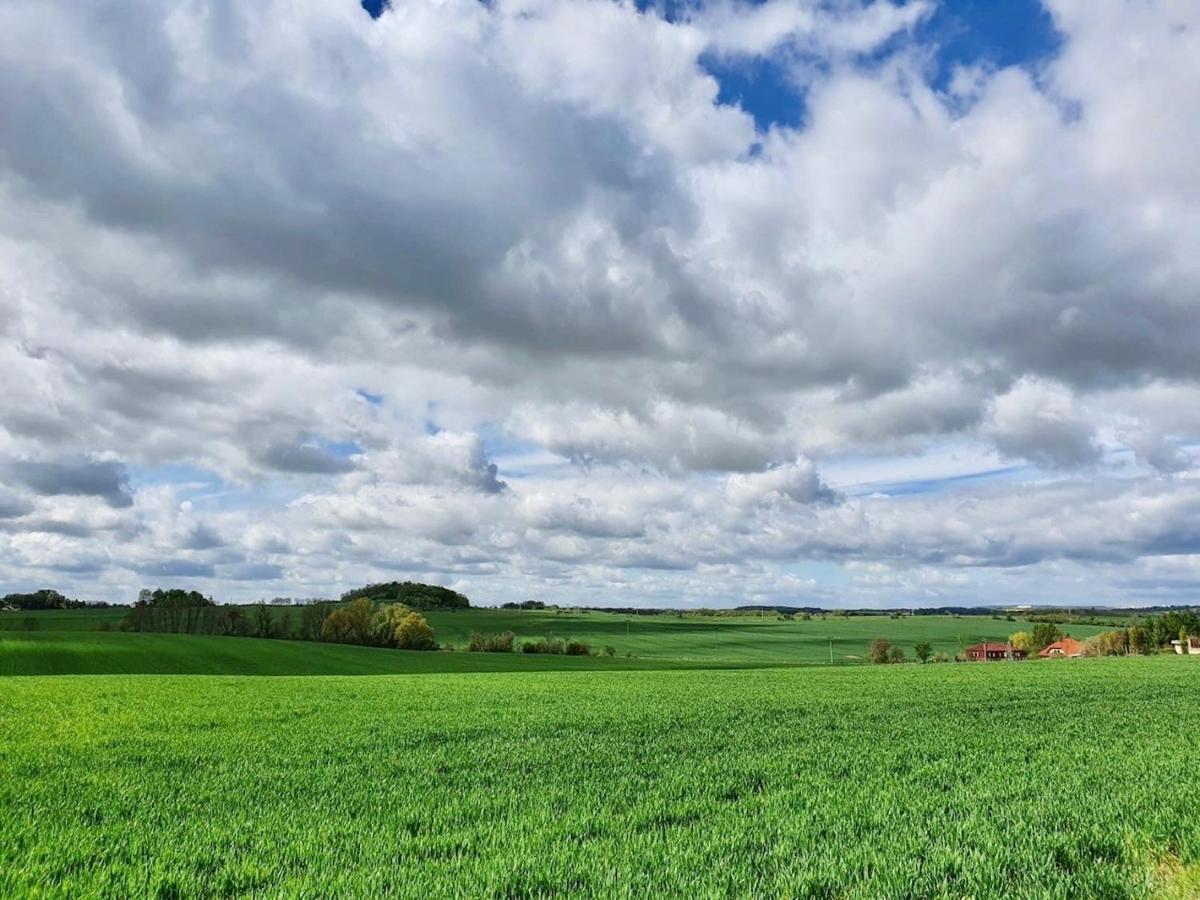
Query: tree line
(359, 621)
(47, 599)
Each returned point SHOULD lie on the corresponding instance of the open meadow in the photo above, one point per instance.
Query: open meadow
(1035, 779)
(87, 641)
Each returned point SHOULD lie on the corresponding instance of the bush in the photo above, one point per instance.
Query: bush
(610, 651)
(1108, 643)
(895, 655)
(545, 645)
(879, 650)
(578, 648)
(491, 643)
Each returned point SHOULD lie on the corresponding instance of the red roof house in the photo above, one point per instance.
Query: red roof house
(1068, 647)
(992, 650)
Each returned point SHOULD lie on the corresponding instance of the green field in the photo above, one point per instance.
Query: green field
(1034, 780)
(116, 653)
(746, 639)
(70, 642)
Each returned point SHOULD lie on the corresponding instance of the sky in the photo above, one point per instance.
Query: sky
(846, 304)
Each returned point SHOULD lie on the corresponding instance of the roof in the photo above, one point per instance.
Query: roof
(990, 647)
(1067, 647)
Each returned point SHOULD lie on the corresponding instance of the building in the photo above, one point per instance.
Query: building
(990, 651)
(1191, 647)
(1067, 648)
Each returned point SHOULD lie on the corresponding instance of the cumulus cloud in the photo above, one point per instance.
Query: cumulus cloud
(306, 459)
(505, 294)
(1037, 421)
(797, 482)
(105, 478)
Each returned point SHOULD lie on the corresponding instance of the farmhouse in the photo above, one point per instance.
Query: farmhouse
(991, 650)
(1067, 648)
(1191, 646)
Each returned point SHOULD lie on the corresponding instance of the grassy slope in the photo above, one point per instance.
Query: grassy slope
(115, 653)
(1033, 780)
(748, 639)
(62, 619)
(68, 642)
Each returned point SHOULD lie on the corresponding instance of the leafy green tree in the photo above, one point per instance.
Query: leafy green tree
(349, 624)
(414, 633)
(385, 622)
(411, 594)
(1022, 640)
(924, 651)
(1045, 634)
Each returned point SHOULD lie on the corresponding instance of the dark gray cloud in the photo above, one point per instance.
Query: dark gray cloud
(202, 537)
(304, 459)
(176, 568)
(107, 479)
(253, 572)
(13, 506)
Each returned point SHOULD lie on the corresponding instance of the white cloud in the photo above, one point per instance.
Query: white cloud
(528, 230)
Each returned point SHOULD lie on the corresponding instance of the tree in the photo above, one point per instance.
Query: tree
(262, 620)
(385, 622)
(924, 650)
(879, 650)
(895, 655)
(1045, 634)
(312, 617)
(414, 633)
(1022, 640)
(411, 594)
(43, 599)
(349, 624)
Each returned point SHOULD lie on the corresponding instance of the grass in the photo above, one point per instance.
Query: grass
(70, 642)
(116, 653)
(746, 639)
(1047, 780)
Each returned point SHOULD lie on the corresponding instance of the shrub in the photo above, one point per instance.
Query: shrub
(610, 651)
(578, 648)
(895, 655)
(414, 633)
(491, 643)
(545, 645)
(879, 650)
(1108, 643)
